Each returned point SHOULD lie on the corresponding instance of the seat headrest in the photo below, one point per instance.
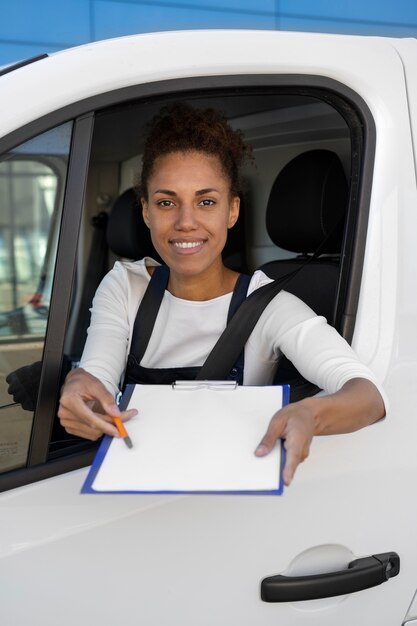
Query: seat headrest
(308, 202)
(127, 234)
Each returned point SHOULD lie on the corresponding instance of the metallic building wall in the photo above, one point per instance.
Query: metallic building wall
(32, 27)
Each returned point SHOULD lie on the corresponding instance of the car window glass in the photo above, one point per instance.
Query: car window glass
(32, 183)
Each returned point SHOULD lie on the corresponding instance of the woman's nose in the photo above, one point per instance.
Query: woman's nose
(186, 217)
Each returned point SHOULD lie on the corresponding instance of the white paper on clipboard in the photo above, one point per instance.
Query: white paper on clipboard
(192, 437)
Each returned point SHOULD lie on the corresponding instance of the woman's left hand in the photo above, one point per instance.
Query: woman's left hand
(295, 424)
(357, 404)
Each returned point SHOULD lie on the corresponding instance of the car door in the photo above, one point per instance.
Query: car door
(209, 559)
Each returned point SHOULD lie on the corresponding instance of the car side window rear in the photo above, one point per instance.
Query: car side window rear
(32, 185)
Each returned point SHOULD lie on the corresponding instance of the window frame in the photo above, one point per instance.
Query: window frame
(347, 102)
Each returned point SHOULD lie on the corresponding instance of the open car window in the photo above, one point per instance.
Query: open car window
(78, 232)
(280, 125)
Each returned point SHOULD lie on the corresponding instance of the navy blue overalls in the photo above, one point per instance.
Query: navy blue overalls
(143, 327)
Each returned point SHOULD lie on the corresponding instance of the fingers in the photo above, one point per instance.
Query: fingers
(93, 429)
(295, 425)
(83, 385)
(297, 450)
(73, 411)
(275, 431)
(127, 415)
(87, 408)
(78, 429)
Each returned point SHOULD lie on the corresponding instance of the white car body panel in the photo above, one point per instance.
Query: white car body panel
(162, 560)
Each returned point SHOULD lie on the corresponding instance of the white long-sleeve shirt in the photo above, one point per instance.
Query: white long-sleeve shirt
(185, 331)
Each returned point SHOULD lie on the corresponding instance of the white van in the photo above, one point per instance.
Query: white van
(343, 537)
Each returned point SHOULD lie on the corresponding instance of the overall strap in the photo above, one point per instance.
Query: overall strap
(151, 302)
(148, 311)
(239, 294)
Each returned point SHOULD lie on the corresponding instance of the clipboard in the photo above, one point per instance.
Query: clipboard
(192, 437)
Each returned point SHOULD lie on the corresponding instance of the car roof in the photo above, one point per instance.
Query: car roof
(75, 74)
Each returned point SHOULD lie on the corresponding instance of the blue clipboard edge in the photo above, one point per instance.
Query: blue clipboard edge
(87, 487)
(125, 399)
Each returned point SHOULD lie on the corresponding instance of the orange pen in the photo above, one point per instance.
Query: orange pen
(122, 431)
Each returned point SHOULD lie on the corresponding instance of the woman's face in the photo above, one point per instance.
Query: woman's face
(189, 210)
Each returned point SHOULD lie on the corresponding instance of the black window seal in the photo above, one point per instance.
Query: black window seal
(38, 466)
(62, 288)
(17, 66)
(349, 104)
(28, 475)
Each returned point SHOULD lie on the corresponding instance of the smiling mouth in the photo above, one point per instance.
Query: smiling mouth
(187, 244)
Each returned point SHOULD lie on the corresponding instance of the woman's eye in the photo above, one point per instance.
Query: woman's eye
(207, 202)
(165, 203)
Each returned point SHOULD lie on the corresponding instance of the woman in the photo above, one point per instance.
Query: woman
(189, 193)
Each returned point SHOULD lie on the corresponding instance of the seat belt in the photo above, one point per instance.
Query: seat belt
(234, 337)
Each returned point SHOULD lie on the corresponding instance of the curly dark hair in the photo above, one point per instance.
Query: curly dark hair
(181, 128)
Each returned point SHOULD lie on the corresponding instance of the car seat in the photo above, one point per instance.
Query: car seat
(305, 215)
(127, 234)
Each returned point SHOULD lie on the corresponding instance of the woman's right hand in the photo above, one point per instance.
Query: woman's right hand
(87, 409)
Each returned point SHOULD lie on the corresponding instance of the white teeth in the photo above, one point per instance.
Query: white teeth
(187, 244)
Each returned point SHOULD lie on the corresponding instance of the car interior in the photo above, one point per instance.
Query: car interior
(297, 217)
(293, 210)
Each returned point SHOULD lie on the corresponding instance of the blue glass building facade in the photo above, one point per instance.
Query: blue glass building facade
(32, 27)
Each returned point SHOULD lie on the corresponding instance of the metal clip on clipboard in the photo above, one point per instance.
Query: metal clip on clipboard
(212, 385)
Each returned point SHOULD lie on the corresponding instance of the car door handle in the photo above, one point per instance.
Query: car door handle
(360, 574)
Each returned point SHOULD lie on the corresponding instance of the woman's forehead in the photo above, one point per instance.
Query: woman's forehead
(192, 165)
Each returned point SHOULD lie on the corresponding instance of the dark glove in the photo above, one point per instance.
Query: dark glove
(24, 385)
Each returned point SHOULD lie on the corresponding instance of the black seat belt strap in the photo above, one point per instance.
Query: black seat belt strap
(231, 342)
(233, 339)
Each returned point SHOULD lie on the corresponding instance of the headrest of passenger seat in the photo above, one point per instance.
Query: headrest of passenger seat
(127, 234)
(308, 202)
